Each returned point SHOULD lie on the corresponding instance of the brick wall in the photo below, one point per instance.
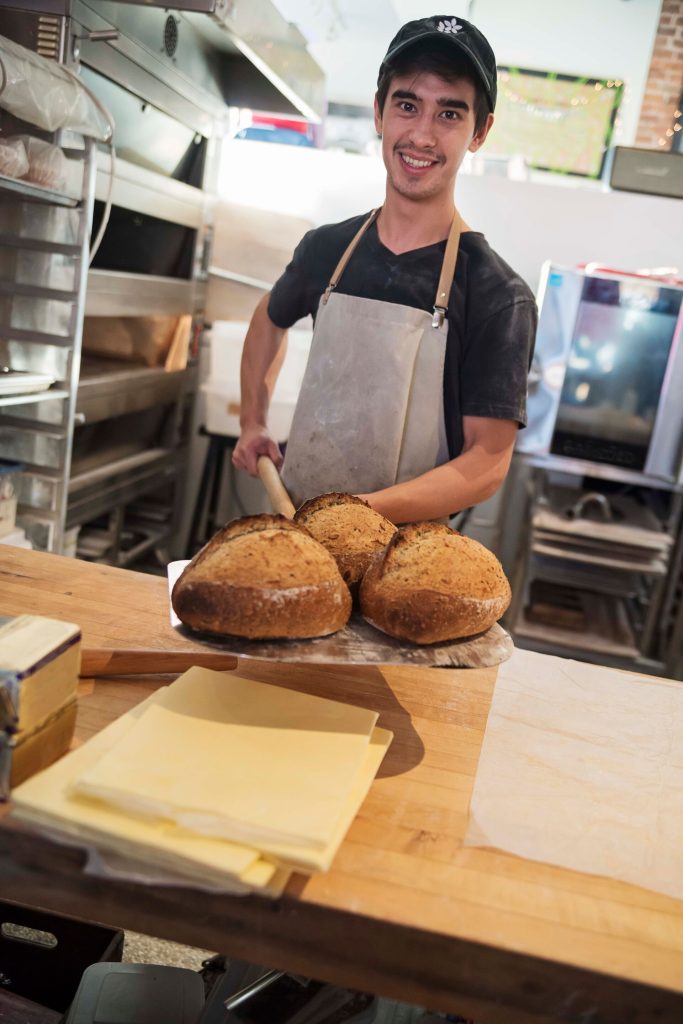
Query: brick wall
(661, 110)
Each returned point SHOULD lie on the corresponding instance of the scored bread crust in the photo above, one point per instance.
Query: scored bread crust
(349, 528)
(431, 584)
(262, 577)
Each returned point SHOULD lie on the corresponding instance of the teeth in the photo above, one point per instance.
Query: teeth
(415, 163)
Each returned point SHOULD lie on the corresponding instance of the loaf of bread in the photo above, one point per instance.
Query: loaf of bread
(350, 530)
(263, 577)
(432, 584)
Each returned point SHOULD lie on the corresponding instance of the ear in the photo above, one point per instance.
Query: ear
(378, 117)
(480, 138)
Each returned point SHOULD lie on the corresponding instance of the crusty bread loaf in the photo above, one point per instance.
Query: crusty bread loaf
(350, 530)
(432, 584)
(263, 577)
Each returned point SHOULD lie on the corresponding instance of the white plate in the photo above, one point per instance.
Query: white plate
(19, 383)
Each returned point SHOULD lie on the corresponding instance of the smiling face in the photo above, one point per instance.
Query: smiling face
(427, 127)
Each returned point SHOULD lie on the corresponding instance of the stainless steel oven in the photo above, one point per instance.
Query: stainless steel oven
(169, 75)
(607, 382)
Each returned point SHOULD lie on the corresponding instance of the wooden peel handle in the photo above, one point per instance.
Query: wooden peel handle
(103, 662)
(275, 489)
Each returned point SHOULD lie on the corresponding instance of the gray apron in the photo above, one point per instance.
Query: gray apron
(370, 410)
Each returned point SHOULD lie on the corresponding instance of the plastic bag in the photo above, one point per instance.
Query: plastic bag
(13, 158)
(48, 96)
(47, 165)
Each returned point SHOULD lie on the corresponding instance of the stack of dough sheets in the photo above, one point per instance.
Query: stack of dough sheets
(218, 779)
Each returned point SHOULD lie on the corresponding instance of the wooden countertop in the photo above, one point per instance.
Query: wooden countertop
(406, 911)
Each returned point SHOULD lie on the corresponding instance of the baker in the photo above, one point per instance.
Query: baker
(416, 381)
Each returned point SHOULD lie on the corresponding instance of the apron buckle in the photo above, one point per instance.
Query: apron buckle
(439, 316)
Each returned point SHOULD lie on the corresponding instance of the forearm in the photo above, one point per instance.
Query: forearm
(471, 478)
(264, 350)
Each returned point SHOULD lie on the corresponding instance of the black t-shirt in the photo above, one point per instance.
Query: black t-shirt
(491, 312)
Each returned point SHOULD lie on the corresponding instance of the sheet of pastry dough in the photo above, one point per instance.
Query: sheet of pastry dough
(45, 800)
(238, 759)
(256, 878)
(301, 858)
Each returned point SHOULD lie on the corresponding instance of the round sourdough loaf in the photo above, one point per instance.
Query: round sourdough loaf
(432, 584)
(263, 577)
(350, 530)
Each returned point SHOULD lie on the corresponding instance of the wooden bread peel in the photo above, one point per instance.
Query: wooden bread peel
(274, 486)
(100, 661)
(97, 661)
(359, 643)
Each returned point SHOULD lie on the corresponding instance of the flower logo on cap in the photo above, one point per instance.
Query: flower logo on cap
(449, 26)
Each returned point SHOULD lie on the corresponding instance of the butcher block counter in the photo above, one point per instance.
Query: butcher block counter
(406, 910)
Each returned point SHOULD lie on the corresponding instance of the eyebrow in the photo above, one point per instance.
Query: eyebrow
(444, 101)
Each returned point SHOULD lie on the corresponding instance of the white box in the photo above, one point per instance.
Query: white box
(222, 389)
(222, 411)
(17, 539)
(8, 514)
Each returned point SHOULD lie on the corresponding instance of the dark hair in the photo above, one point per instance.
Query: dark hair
(436, 60)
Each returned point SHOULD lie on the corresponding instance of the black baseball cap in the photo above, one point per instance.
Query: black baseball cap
(462, 34)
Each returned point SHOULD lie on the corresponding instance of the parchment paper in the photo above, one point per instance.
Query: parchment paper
(582, 766)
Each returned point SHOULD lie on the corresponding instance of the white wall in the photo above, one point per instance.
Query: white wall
(598, 38)
(526, 222)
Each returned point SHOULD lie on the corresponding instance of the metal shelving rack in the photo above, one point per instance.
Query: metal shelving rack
(599, 576)
(44, 248)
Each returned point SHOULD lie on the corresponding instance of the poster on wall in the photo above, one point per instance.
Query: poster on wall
(557, 122)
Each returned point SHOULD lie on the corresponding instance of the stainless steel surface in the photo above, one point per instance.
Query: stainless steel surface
(46, 396)
(96, 492)
(183, 85)
(251, 990)
(188, 62)
(35, 192)
(42, 30)
(56, 7)
(230, 275)
(38, 245)
(37, 291)
(215, 53)
(561, 304)
(179, 5)
(237, 55)
(26, 335)
(260, 33)
(599, 470)
(140, 189)
(108, 388)
(41, 328)
(82, 479)
(131, 446)
(665, 457)
(565, 550)
(358, 643)
(609, 634)
(111, 293)
(606, 590)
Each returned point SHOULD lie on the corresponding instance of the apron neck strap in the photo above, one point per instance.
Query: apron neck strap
(443, 290)
(447, 267)
(348, 253)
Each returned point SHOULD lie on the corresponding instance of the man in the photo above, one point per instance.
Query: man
(416, 382)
